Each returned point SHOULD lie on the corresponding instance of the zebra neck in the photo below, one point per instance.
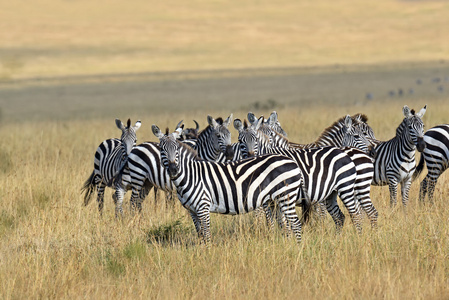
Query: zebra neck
(205, 145)
(331, 136)
(188, 167)
(403, 136)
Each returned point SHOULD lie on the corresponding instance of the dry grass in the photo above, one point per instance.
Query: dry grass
(53, 247)
(48, 38)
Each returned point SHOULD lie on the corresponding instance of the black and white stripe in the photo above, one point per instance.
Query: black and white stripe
(230, 188)
(351, 135)
(395, 161)
(327, 171)
(109, 158)
(436, 157)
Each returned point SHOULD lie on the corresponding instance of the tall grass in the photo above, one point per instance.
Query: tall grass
(53, 247)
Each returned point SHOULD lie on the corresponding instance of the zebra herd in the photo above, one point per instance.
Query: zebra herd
(266, 172)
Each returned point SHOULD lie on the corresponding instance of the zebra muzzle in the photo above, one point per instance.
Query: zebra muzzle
(229, 153)
(421, 145)
(172, 169)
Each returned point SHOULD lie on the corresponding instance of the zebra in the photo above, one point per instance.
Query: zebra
(395, 161)
(327, 171)
(143, 169)
(353, 136)
(230, 188)
(110, 156)
(214, 142)
(436, 157)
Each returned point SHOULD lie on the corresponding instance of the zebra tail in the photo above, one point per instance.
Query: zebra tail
(306, 205)
(88, 188)
(116, 180)
(419, 168)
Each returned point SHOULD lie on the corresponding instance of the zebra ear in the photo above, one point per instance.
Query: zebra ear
(238, 125)
(137, 125)
(422, 111)
(273, 118)
(119, 124)
(259, 122)
(156, 131)
(251, 118)
(406, 111)
(228, 121)
(212, 122)
(348, 121)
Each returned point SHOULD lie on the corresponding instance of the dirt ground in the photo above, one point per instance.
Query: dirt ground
(103, 96)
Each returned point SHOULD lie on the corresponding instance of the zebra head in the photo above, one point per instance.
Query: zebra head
(221, 137)
(353, 136)
(269, 126)
(415, 126)
(128, 137)
(248, 137)
(169, 149)
(274, 124)
(361, 122)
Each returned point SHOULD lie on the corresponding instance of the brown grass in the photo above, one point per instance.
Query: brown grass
(53, 247)
(48, 38)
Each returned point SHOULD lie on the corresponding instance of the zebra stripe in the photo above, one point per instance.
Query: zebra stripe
(230, 188)
(436, 157)
(346, 133)
(395, 161)
(109, 158)
(328, 171)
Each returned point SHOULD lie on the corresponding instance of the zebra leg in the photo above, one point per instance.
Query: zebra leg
(393, 187)
(353, 207)
(204, 220)
(119, 195)
(368, 207)
(135, 198)
(288, 210)
(320, 209)
(334, 211)
(100, 196)
(196, 222)
(405, 189)
(423, 189)
(266, 209)
(431, 188)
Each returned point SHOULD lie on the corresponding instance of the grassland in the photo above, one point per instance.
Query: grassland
(53, 38)
(53, 247)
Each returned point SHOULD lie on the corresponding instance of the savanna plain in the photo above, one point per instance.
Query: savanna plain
(68, 69)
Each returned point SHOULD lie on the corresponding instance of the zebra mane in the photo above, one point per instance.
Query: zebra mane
(167, 131)
(189, 150)
(129, 123)
(412, 112)
(219, 120)
(361, 117)
(338, 125)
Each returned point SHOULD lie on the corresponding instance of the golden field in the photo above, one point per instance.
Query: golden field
(54, 247)
(51, 38)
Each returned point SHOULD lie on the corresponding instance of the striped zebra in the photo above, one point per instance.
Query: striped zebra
(111, 154)
(214, 142)
(436, 157)
(230, 188)
(351, 134)
(144, 171)
(395, 161)
(327, 171)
